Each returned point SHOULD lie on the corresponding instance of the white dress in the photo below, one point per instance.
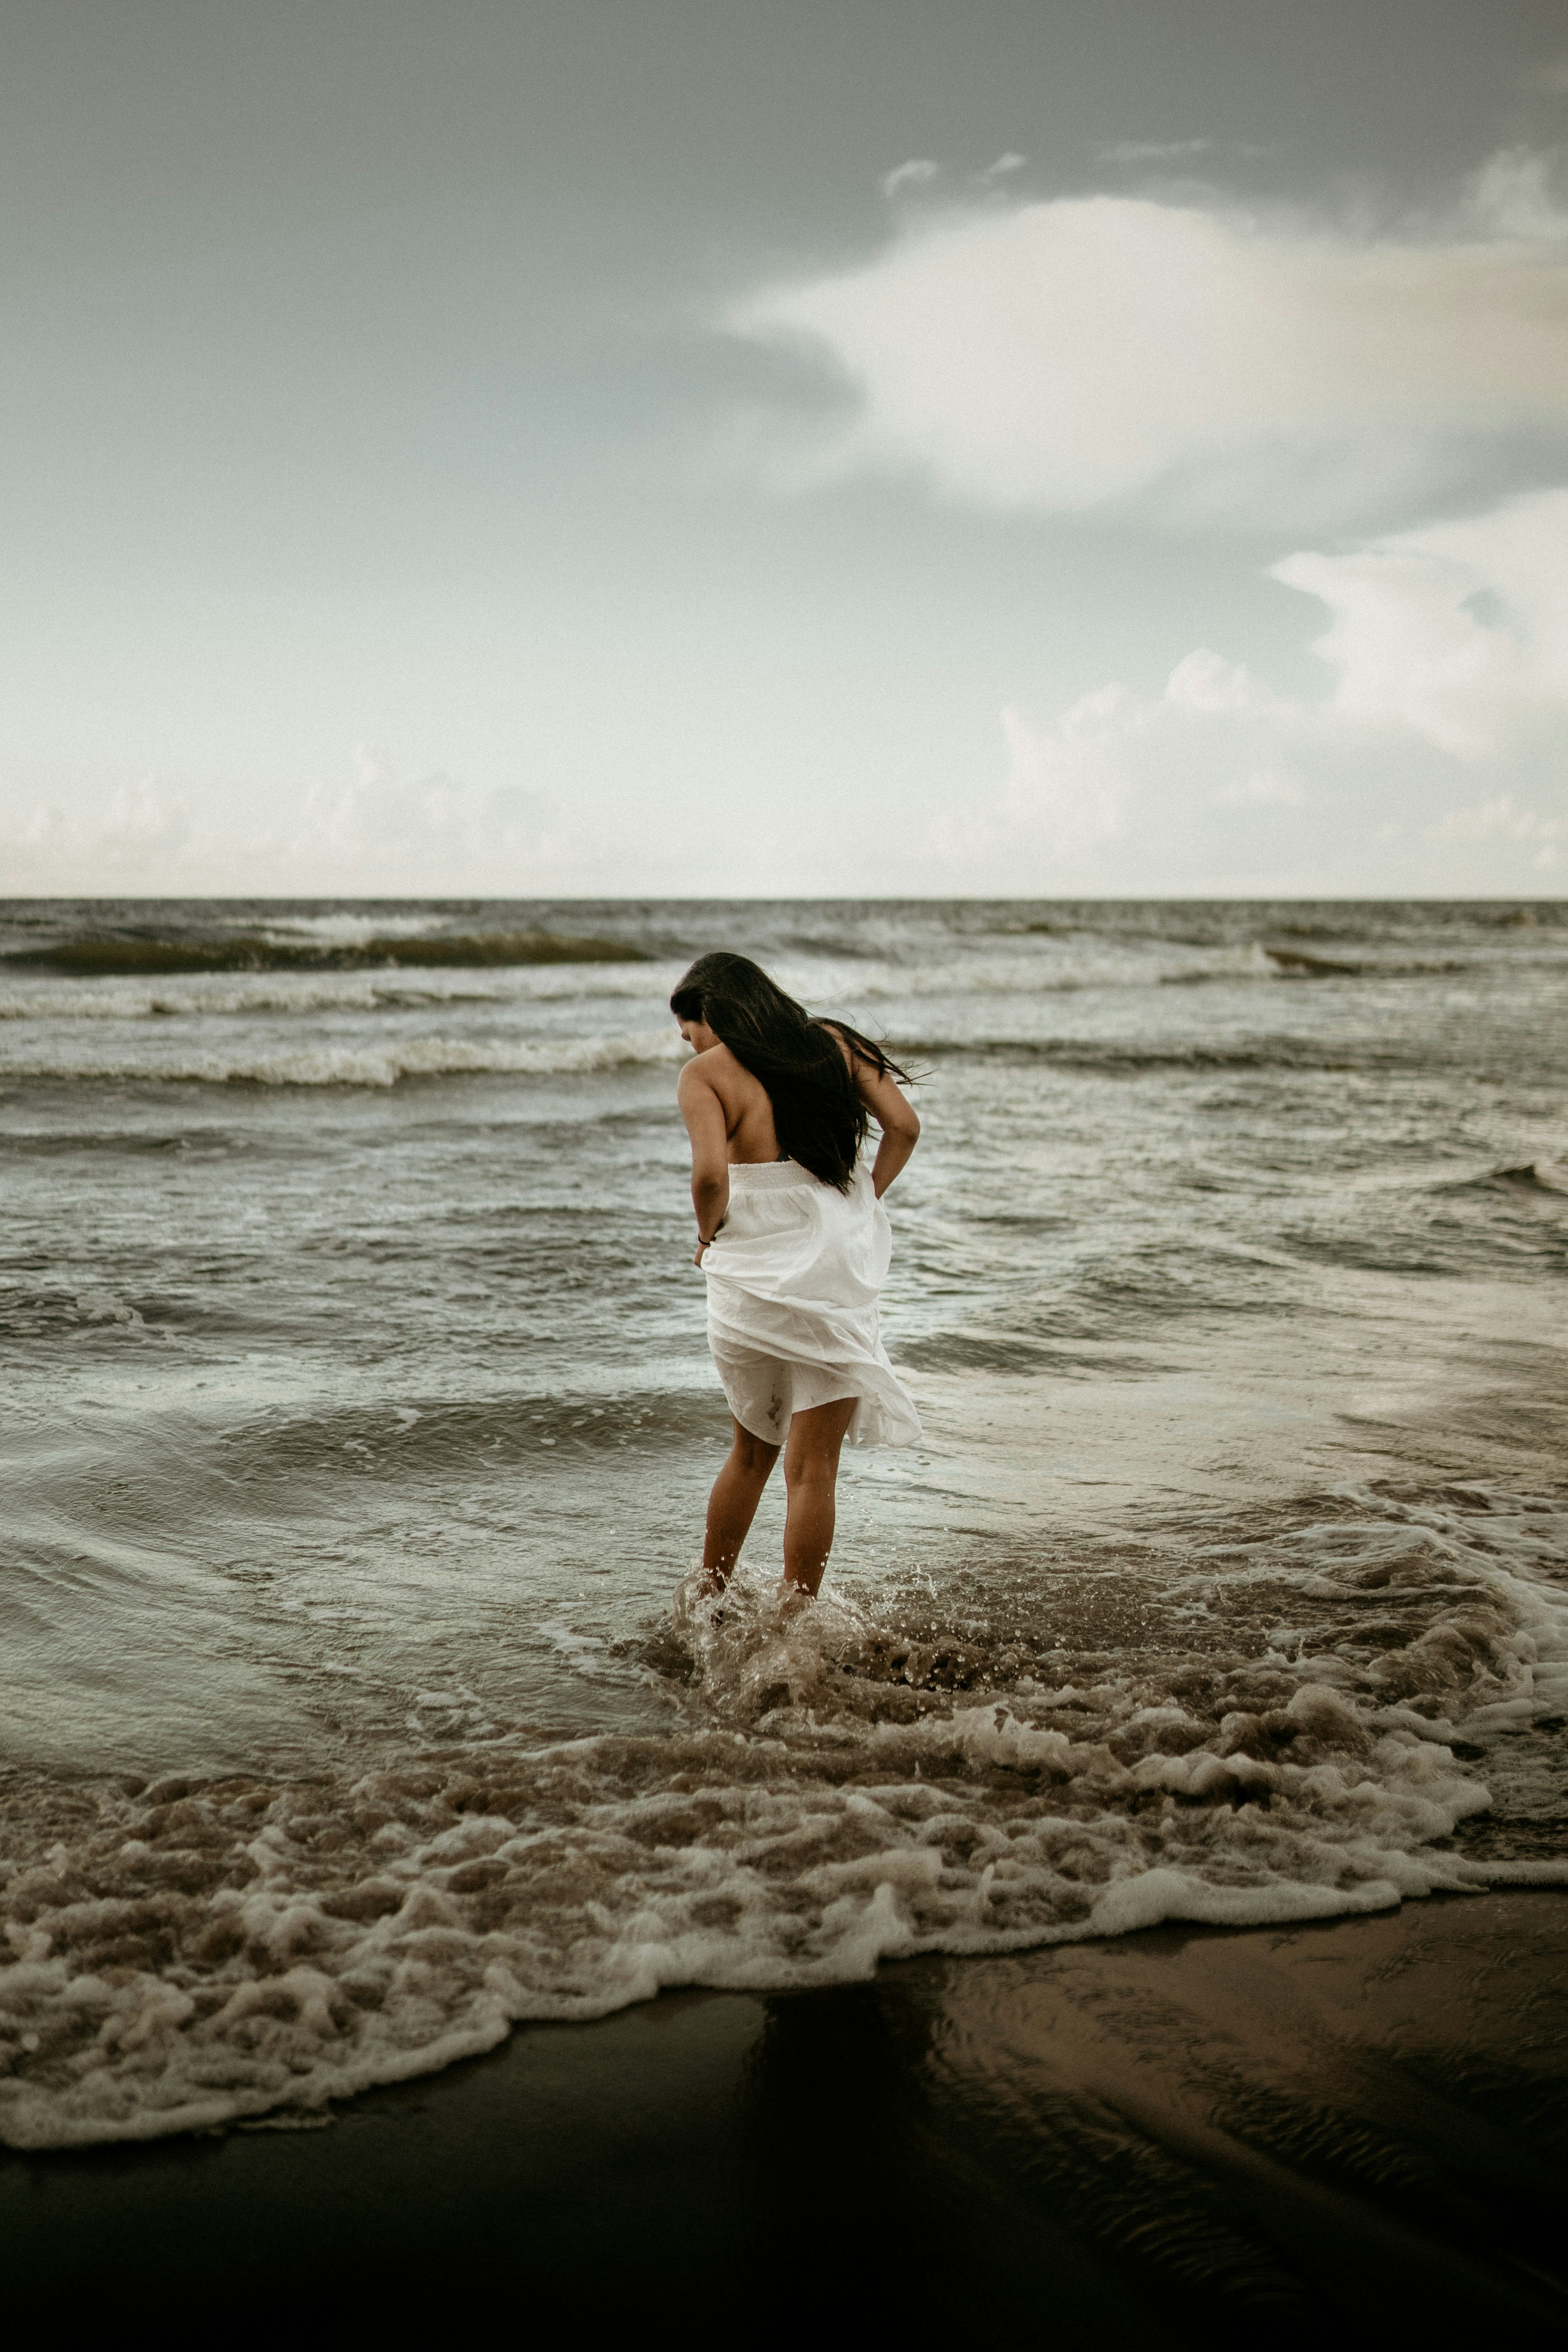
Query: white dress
(793, 1278)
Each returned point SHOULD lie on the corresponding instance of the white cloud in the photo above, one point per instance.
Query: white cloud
(1458, 631)
(1502, 817)
(1513, 195)
(1435, 763)
(372, 834)
(1091, 352)
(1011, 161)
(140, 825)
(912, 174)
(399, 829)
(1155, 150)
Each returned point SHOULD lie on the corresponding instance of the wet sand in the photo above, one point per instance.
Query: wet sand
(1362, 2123)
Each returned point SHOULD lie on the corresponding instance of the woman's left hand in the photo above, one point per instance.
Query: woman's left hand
(701, 1248)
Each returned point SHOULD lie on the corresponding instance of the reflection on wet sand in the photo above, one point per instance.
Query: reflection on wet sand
(1349, 2126)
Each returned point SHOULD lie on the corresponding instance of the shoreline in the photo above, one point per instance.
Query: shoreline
(1364, 2118)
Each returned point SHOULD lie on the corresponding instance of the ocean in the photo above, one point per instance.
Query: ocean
(357, 1705)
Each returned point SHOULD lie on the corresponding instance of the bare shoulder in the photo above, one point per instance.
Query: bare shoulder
(856, 1061)
(876, 1087)
(697, 1076)
(715, 1072)
(863, 1068)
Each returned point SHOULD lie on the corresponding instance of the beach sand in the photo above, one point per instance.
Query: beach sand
(1358, 2123)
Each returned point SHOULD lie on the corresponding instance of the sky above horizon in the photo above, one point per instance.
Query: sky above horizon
(835, 447)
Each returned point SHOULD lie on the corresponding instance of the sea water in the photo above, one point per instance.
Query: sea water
(358, 1701)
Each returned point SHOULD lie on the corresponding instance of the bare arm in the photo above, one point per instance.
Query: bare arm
(704, 1115)
(893, 1113)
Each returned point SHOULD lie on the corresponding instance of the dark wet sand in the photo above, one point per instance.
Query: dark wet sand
(1362, 2123)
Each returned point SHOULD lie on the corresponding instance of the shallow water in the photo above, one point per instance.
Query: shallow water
(361, 1422)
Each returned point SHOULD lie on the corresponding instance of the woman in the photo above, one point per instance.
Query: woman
(794, 1241)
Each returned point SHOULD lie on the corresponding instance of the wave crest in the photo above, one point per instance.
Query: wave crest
(357, 1065)
(259, 952)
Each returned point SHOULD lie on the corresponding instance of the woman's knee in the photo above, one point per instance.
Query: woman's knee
(811, 1465)
(816, 1441)
(754, 1455)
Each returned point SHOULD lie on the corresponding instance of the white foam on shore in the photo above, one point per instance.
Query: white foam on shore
(197, 1953)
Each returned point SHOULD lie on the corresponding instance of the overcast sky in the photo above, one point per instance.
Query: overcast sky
(828, 446)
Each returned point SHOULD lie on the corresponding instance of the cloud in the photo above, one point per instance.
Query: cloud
(378, 822)
(1010, 161)
(1096, 352)
(1155, 150)
(1434, 762)
(372, 834)
(912, 174)
(1502, 817)
(1458, 631)
(140, 825)
(1513, 195)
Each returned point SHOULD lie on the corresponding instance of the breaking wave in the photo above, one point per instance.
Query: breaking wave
(1045, 965)
(1109, 1056)
(213, 996)
(353, 1066)
(264, 951)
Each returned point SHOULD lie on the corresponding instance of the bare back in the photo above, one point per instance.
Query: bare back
(750, 1135)
(719, 1096)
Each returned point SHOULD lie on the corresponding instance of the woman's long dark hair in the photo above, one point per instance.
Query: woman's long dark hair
(818, 1115)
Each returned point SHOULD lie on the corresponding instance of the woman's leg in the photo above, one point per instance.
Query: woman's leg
(732, 1505)
(811, 1475)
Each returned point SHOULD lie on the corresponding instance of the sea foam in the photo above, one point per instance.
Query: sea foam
(831, 1795)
